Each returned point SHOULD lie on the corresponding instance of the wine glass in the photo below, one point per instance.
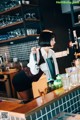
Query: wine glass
(28, 16)
(33, 16)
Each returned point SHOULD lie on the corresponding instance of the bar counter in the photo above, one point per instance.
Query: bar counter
(45, 107)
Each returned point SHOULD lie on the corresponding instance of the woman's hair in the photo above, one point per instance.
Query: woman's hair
(45, 38)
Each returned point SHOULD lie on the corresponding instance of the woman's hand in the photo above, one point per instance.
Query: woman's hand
(34, 50)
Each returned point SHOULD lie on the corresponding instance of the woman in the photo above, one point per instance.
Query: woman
(46, 43)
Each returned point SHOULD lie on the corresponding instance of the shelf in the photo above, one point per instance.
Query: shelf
(9, 10)
(17, 7)
(33, 35)
(17, 23)
(13, 39)
(19, 38)
(32, 20)
(10, 25)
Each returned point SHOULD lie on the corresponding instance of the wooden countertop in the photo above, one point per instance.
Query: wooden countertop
(9, 106)
(36, 103)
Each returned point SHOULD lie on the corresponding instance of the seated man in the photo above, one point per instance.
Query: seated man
(22, 82)
(23, 85)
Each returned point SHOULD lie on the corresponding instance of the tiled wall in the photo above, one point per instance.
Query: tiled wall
(21, 50)
(69, 103)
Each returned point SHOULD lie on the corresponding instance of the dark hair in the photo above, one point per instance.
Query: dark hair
(45, 38)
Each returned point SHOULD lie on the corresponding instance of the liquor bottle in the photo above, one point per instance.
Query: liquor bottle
(75, 38)
(70, 38)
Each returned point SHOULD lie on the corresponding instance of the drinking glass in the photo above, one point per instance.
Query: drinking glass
(73, 75)
(78, 73)
(65, 81)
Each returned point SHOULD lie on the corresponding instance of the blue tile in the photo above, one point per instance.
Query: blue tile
(74, 93)
(52, 106)
(38, 113)
(65, 105)
(68, 103)
(48, 108)
(49, 116)
(75, 105)
(33, 117)
(60, 101)
(53, 113)
(67, 98)
(75, 99)
(72, 107)
(43, 111)
(61, 108)
(63, 99)
(56, 103)
(28, 118)
(69, 109)
(45, 117)
(70, 95)
(57, 110)
(71, 101)
(40, 118)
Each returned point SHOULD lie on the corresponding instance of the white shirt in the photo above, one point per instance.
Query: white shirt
(44, 67)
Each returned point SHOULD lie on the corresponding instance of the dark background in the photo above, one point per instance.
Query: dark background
(53, 19)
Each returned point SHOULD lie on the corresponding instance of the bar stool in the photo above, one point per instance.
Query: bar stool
(5, 81)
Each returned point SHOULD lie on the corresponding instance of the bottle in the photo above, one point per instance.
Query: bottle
(75, 38)
(69, 32)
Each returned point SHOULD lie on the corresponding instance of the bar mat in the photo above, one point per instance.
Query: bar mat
(66, 116)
